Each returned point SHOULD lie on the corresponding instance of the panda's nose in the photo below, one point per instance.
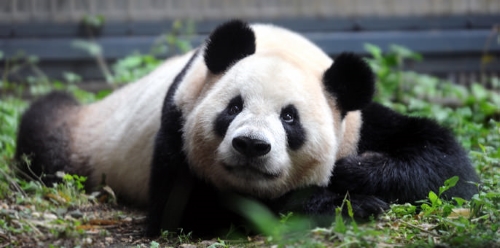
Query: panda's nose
(251, 147)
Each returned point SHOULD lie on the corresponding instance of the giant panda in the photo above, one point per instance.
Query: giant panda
(257, 112)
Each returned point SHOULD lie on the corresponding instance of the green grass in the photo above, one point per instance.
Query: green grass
(473, 113)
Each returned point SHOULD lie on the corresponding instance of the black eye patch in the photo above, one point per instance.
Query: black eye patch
(295, 133)
(233, 108)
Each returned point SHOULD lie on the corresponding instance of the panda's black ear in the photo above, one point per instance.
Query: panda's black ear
(230, 42)
(351, 81)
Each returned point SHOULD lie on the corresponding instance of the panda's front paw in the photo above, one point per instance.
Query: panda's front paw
(366, 206)
(324, 202)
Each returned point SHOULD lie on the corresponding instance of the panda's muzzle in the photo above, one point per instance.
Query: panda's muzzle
(248, 159)
(251, 147)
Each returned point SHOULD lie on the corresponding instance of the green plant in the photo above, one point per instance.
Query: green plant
(388, 68)
(29, 210)
(154, 244)
(37, 212)
(473, 114)
(133, 67)
(74, 181)
(219, 243)
(136, 65)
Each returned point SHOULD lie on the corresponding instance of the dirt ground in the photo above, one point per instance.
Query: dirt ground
(98, 225)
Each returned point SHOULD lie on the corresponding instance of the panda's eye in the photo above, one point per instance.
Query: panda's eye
(288, 114)
(235, 106)
(235, 109)
(287, 117)
(227, 115)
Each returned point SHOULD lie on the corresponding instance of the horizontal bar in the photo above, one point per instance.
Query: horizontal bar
(448, 41)
(131, 28)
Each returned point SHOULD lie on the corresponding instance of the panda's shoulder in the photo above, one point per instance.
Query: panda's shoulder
(376, 114)
(382, 125)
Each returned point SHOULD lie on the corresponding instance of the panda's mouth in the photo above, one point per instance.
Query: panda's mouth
(250, 171)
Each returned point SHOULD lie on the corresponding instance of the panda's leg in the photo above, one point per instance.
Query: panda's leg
(320, 204)
(44, 139)
(402, 158)
(169, 165)
(158, 186)
(170, 180)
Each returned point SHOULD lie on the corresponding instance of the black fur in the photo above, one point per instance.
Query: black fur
(169, 166)
(402, 158)
(295, 133)
(178, 199)
(351, 81)
(170, 175)
(45, 144)
(224, 119)
(208, 211)
(229, 43)
(320, 204)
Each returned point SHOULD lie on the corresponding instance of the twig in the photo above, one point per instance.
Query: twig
(13, 183)
(419, 228)
(39, 72)
(6, 238)
(101, 62)
(495, 30)
(31, 175)
(40, 233)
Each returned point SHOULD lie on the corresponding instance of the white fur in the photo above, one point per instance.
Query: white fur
(115, 137)
(286, 69)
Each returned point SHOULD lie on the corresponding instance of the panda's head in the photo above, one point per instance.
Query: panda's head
(271, 114)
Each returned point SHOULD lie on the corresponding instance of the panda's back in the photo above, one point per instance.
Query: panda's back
(115, 136)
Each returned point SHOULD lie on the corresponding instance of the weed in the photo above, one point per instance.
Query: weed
(30, 209)
(473, 114)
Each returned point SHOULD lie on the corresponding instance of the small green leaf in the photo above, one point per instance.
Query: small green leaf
(339, 222)
(434, 199)
(71, 77)
(349, 209)
(447, 210)
(479, 92)
(154, 244)
(451, 182)
(92, 48)
(131, 61)
(95, 21)
(460, 201)
(405, 52)
(374, 50)
(103, 93)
